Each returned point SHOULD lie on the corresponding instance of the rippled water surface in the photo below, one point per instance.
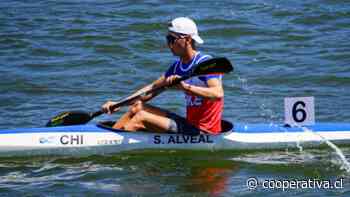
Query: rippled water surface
(71, 55)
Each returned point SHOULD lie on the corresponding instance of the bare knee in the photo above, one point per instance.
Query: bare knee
(136, 122)
(136, 107)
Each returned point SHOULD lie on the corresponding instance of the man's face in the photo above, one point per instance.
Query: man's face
(177, 43)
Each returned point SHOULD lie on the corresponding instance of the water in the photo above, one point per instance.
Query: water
(71, 55)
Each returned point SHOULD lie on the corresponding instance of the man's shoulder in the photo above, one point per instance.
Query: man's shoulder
(172, 68)
(202, 57)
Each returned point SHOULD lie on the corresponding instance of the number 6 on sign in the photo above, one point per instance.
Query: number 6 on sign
(299, 111)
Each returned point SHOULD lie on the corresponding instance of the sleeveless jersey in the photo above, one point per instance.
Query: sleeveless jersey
(203, 113)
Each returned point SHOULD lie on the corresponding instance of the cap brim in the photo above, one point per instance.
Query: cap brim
(197, 39)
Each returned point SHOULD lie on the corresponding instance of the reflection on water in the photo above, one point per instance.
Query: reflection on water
(213, 180)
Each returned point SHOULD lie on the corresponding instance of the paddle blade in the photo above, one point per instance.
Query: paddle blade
(69, 118)
(219, 65)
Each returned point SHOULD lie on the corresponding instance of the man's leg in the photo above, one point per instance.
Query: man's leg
(144, 120)
(133, 109)
(141, 116)
(123, 120)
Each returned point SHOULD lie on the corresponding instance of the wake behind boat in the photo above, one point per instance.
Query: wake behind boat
(82, 140)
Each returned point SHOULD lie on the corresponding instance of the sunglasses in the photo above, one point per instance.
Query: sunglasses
(171, 39)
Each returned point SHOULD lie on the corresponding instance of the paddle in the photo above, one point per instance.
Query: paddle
(211, 66)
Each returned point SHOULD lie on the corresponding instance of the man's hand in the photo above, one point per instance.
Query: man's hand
(106, 108)
(172, 79)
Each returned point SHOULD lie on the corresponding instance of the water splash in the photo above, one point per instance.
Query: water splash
(244, 85)
(345, 164)
(268, 113)
(299, 146)
(287, 157)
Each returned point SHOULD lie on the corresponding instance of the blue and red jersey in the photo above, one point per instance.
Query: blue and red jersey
(203, 113)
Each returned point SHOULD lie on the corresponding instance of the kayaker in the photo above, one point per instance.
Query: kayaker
(203, 94)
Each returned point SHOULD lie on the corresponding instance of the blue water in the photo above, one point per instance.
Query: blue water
(74, 55)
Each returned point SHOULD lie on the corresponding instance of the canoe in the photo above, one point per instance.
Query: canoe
(92, 139)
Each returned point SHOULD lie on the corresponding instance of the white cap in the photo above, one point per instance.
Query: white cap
(184, 25)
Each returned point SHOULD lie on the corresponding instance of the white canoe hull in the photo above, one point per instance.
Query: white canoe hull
(91, 139)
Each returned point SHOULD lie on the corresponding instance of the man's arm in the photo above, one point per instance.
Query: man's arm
(157, 83)
(106, 107)
(213, 91)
